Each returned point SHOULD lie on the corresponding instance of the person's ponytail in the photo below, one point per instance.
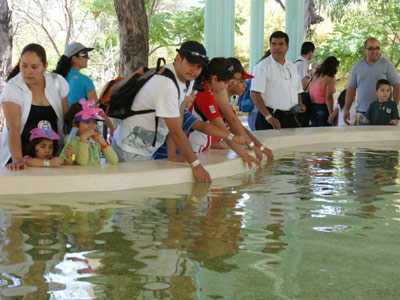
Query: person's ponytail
(63, 66)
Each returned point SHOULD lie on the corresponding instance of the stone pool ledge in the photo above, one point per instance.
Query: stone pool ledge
(220, 163)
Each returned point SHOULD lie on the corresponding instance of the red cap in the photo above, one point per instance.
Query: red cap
(246, 75)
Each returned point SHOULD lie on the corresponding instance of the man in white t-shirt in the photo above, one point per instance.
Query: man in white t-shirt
(276, 87)
(303, 62)
(133, 140)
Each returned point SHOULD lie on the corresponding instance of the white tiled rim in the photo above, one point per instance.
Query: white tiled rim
(219, 163)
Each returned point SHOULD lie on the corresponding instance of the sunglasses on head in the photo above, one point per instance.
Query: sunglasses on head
(194, 53)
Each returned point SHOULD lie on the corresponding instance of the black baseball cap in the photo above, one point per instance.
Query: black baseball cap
(194, 52)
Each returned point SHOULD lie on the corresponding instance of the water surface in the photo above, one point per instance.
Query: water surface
(317, 223)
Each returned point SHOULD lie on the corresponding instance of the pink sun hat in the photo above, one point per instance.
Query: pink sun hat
(43, 131)
(89, 111)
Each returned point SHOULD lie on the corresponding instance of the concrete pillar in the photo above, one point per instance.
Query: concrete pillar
(256, 32)
(219, 28)
(294, 27)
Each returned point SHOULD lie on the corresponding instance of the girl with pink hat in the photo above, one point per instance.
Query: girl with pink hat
(88, 144)
(42, 144)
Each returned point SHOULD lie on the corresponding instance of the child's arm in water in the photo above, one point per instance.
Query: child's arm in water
(215, 131)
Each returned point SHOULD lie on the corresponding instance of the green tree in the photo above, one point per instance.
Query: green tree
(366, 19)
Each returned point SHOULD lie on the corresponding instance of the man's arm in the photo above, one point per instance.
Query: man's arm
(304, 82)
(259, 103)
(183, 145)
(350, 95)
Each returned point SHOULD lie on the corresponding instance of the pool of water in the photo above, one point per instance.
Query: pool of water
(314, 224)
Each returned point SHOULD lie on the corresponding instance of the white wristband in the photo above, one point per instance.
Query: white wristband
(195, 163)
(262, 148)
(46, 163)
(268, 117)
(251, 145)
(230, 136)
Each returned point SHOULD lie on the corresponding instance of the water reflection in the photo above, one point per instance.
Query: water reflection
(262, 235)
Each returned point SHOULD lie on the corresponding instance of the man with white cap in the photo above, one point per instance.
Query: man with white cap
(133, 139)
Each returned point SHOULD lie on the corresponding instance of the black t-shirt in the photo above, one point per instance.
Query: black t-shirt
(380, 113)
(37, 114)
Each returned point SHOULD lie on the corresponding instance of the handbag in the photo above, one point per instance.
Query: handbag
(304, 118)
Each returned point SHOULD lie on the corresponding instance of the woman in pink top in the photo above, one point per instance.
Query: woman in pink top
(322, 88)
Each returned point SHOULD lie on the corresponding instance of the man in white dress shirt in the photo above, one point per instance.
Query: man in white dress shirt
(276, 87)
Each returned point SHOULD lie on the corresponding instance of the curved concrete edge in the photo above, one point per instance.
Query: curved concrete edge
(219, 163)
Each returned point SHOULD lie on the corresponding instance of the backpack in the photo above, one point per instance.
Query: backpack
(117, 95)
(244, 102)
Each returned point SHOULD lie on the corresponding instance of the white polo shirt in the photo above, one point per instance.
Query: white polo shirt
(278, 84)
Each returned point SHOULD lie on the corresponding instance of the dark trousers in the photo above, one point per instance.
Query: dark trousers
(319, 115)
(286, 118)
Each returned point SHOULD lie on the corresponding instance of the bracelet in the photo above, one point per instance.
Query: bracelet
(262, 148)
(251, 145)
(268, 117)
(46, 163)
(195, 163)
(107, 144)
(230, 136)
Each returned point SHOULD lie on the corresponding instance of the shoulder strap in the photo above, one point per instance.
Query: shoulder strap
(309, 81)
(168, 73)
(297, 60)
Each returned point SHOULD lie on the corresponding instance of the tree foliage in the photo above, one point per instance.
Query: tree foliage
(364, 20)
(336, 9)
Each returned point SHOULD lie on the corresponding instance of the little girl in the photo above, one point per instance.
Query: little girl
(336, 117)
(42, 145)
(88, 144)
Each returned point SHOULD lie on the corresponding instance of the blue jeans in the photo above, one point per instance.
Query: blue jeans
(319, 115)
(251, 119)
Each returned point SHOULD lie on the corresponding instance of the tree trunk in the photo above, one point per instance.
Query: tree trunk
(5, 41)
(310, 16)
(133, 35)
(5, 48)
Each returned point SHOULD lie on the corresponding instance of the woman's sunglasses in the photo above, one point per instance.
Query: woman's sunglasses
(83, 54)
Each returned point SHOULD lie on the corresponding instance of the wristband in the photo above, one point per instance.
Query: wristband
(107, 144)
(230, 136)
(251, 145)
(46, 163)
(262, 148)
(268, 117)
(195, 163)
